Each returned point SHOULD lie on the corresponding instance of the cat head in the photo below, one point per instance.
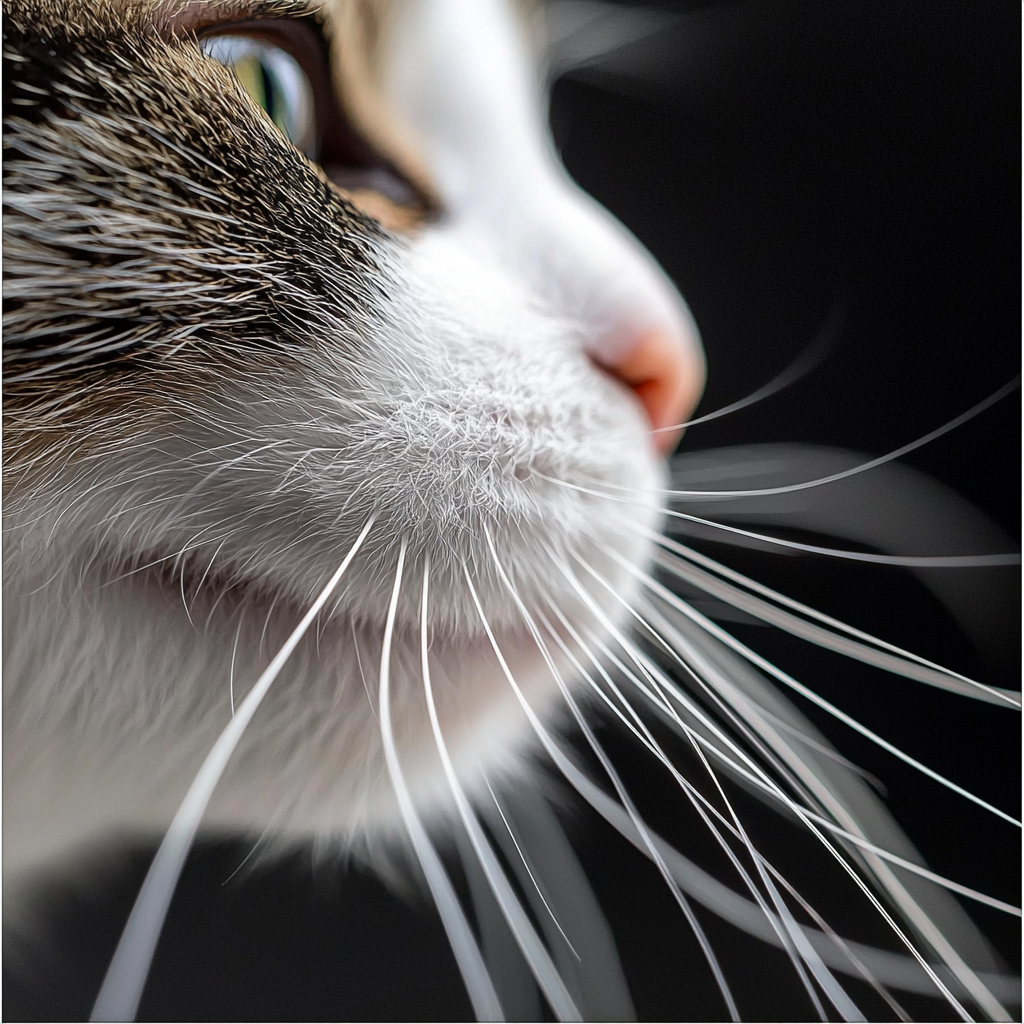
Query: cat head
(236, 336)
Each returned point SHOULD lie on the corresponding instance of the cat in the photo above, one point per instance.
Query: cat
(423, 401)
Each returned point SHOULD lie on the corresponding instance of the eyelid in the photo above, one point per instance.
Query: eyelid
(199, 17)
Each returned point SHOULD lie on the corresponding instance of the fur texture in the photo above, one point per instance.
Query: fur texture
(220, 369)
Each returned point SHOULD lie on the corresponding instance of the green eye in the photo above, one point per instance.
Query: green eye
(275, 81)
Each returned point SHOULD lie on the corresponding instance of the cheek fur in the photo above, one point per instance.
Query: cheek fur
(191, 550)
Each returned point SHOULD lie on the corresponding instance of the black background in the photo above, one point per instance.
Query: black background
(772, 156)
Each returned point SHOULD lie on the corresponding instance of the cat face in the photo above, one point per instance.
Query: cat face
(228, 352)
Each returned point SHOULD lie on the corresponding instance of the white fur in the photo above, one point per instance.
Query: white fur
(462, 80)
(473, 386)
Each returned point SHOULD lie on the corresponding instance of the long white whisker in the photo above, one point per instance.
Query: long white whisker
(543, 735)
(895, 969)
(755, 775)
(529, 870)
(843, 947)
(823, 794)
(942, 677)
(757, 779)
(919, 561)
(876, 856)
(660, 681)
(467, 954)
(657, 679)
(803, 364)
(658, 701)
(617, 783)
(911, 561)
(756, 659)
(863, 467)
(824, 977)
(593, 795)
(523, 931)
(610, 811)
(886, 855)
(645, 737)
(830, 986)
(122, 986)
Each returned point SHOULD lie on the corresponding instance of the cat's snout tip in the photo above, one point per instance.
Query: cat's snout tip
(665, 370)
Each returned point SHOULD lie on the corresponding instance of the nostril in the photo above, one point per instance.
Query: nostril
(666, 373)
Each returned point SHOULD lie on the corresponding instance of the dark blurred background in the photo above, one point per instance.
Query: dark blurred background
(774, 157)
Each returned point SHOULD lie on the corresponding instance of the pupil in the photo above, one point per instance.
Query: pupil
(260, 82)
(249, 71)
(271, 101)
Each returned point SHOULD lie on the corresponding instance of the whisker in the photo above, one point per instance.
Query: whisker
(362, 674)
(842, 946)
(246, 858)
(588, 792)
(765, 785)
(859, 840)
(756, 780)
(877, 857)
(938, 676)
(663, 684)
(526, 937)
(724, 902)
(823, 748)
(231, 672)
(266, 622)
(616, 782)
(892, 968)
(910, 907)
(657, 701)
(594, 970)
(918, 561)
(911, 561)
(755, 775)
(542, 733)
(122, 986)
(863, 467)
(756, 659)
(526, 865)
(641, 731)
(804, 738)
(802, 813)
(206, 572)
(811, 356)
(840, 999)
(712, 693)
(184, 600)
(467, 954)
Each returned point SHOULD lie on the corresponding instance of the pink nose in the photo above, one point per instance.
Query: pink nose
(666, 373)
